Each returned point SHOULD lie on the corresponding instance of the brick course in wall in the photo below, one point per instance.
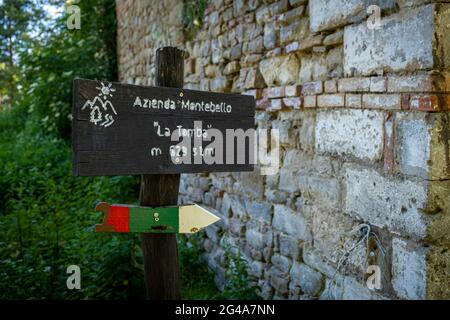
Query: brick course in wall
(364, 135)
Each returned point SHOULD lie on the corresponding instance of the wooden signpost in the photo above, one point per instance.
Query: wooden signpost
(123, 129)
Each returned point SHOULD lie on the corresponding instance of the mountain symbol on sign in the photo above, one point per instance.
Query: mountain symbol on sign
(101, 111)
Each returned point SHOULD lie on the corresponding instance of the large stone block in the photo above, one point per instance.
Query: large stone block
(289, 246)
(356, 290)
(367, 51)
(331, 239)
(423, 145)
(259, 210)
(290, 222)
(309, 280)
(239, 7)
(408, 270)
(280, 70)
(233, 206)
(357, 133)
(296, 129)
(438, 273)
(393, 204)
(314, 259)
(413, 83)
(252, 183)
(254, 239)
(442, 44)
(252, 31)
(282, 263)
(381, 101)
(276, 196)
(335, 59)
(253, 46)
(439, 209)
(331, 100)
(232, 68)
(313, 68)
(295, 158)
(270, 36)
(348, 288)
(289, 180)
(342, 12)
(256, 269)
(323, 192)
(254, 79)
(292, 15)
(278, 280)
(236, 227)
(262, 15)
(294, 31)
(220, 84)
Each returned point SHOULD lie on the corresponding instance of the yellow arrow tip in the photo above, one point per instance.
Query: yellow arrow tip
(193, 218)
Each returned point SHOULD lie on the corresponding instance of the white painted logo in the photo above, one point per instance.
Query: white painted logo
(102, 111)
(74, 280)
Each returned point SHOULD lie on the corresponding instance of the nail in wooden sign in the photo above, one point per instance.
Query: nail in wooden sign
(174, 219)
(122, 129)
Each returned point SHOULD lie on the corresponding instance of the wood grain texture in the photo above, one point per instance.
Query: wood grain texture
(160, 251)
(124, 146)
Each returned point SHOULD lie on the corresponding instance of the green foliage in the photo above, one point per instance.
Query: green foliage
(47, 224)
(194, 11)
(46, 214)
(196, 279)
(16, 20)
(49, 70)
(240, 285)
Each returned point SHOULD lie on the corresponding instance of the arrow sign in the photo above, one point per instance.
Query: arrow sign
(124, 218)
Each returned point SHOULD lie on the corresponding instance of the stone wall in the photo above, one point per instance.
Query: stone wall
(362, 108)
(143, 26)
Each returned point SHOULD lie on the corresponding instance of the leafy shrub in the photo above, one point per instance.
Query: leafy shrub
(51, 64)
(46, 224)
(198, 279)
(46, 215)
(194, 11)
(240, 285)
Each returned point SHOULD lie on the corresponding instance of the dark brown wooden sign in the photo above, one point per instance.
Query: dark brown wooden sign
(122, 129)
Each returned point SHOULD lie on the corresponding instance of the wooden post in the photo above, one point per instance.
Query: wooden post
(162, 272)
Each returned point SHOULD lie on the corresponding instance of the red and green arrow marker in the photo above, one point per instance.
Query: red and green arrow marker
(176, 219)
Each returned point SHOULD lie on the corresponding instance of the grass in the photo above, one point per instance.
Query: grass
(197, 281)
